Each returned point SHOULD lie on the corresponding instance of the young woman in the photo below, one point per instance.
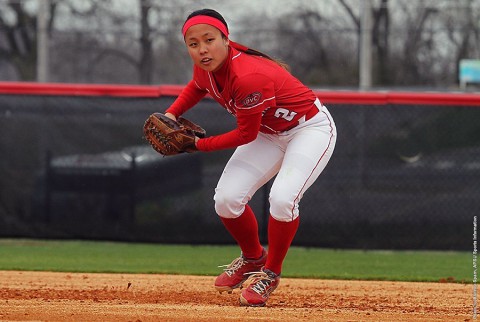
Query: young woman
(283, 130)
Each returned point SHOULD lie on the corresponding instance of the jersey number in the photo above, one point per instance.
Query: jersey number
(285, 114)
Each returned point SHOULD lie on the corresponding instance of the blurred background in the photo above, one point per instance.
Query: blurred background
(405, 174)
(414, 43)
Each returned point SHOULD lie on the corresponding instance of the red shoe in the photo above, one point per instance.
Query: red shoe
(237, 272)
(259, 286)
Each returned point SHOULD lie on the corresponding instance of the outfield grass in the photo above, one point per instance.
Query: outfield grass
(113, 257)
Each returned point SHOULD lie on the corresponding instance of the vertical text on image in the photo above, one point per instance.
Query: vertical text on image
(474, 263)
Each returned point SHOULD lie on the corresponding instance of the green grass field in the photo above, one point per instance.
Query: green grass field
(114, 257)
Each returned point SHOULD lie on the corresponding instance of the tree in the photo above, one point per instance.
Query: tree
(463, 29)
(115, 45)
(141, 60)
(318, 55)
(145, 63)
(380, 37)
(417, 55)
(18, 42)
(414, 42)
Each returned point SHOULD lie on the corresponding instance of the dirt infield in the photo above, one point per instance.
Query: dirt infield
(45, 296)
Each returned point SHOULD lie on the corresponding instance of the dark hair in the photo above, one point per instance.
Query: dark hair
(245, 49)
(208, 12)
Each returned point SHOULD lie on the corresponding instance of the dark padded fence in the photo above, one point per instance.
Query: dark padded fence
(403, 176)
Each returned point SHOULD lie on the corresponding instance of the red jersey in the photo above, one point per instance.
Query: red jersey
(262, 95)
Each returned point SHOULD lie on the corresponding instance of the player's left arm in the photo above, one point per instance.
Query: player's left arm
(248, 126)
(252, 95)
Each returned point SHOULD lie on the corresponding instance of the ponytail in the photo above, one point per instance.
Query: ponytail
(255, 52)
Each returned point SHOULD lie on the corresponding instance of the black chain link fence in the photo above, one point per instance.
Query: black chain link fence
(401, 177)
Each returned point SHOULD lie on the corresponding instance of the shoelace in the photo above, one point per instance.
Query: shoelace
(260, 281)
(234, 266)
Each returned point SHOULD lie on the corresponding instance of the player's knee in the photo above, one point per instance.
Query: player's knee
(282, 208)
(228, 204)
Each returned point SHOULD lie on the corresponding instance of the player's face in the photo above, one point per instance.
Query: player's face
(206, 46)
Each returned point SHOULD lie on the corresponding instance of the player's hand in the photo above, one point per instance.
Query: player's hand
(171, 116)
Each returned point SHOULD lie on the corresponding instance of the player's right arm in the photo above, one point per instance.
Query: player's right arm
(189, 97)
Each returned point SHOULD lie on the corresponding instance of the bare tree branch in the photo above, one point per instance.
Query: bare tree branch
(355, 19)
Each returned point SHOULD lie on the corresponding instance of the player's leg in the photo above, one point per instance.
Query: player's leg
(307, 155)
(309, 149)
(249, 168)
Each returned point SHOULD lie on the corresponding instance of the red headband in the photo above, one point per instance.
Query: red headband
(206, 20)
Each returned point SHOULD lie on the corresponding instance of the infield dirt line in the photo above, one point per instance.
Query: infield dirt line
(47, 296)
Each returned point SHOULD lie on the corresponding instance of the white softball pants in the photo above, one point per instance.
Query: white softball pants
(297, 157)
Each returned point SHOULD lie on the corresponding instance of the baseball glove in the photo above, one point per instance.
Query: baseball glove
(169, 137)
(197, 129)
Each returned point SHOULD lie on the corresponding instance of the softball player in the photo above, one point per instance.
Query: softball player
(283, 130)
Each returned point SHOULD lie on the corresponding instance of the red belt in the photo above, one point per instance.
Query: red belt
(311, 113)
